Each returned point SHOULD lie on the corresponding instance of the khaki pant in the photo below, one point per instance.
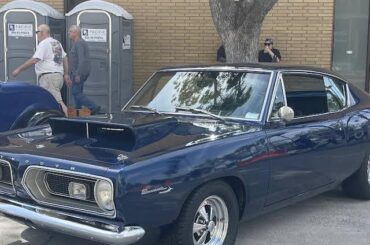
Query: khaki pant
(53, 83)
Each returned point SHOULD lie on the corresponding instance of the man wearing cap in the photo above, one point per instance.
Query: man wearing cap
(51, 64)
(269, 54)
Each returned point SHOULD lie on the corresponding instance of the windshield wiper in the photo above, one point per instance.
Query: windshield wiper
(199, 111)
(143, 107)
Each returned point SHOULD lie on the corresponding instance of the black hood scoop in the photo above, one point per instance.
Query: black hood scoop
(118, 136)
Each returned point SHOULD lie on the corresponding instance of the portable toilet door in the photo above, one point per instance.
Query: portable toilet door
(20, 41)
(96, 30)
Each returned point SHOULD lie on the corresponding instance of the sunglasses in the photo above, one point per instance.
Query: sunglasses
(37, 31)
(268, 44)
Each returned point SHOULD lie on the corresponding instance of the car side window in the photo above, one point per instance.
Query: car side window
(279, 101)
(306, 94)
(336, 94)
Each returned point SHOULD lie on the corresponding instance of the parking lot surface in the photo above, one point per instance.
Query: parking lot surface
(329, 219)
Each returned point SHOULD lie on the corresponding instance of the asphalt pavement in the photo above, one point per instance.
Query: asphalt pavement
(328, 219)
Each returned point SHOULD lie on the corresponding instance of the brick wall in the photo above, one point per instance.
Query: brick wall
(170, 32)
(302, 30)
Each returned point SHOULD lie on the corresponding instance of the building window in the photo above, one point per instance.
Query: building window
(350, 40)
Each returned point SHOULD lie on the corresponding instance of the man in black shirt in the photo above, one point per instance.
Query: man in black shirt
(269, 54)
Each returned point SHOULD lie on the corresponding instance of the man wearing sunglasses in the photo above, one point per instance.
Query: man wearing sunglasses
(269, 54)
(51, 64)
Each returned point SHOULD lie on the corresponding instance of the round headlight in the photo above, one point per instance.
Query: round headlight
(104, 195)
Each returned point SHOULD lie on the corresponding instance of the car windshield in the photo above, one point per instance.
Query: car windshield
(222, 93)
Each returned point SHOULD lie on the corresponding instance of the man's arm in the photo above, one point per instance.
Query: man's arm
(67, 80)
(81, 60)
(25, 65)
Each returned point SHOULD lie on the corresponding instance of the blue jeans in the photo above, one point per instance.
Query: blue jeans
(78, 96)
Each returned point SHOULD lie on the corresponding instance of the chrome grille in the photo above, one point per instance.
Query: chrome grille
(6, 177)
(57, 184)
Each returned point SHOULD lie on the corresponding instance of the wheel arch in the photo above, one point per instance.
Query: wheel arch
(40, 116)
(240, 190)
(33, 113)
(237, 185)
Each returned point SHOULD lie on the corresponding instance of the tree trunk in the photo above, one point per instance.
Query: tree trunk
(238, 23)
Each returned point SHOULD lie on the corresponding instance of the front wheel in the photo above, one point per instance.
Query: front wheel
(358, 185)
(209, 217)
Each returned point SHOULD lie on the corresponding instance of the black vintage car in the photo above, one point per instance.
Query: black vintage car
(197, 150)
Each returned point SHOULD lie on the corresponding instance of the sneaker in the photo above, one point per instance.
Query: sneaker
(95, 110)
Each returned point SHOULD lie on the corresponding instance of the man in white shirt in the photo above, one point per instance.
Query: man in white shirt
(51, 64)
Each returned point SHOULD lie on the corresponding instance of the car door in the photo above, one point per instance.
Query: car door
(306, 149)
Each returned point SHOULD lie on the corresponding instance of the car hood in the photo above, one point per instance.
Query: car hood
(126, 137)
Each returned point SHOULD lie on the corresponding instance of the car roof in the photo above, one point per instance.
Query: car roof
(263, 66)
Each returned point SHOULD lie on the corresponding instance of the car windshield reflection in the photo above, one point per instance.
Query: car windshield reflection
(223, 93)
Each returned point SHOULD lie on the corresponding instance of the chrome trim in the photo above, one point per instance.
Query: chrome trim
(112, 214)
(55, 221)
(309, 72)
(5, 29)
(279, 81)
(11, 177)
(218, 68)
(60, 194)
(315, 72)
(138, 91)
(348, 91)
(246, 69)
(109, 51)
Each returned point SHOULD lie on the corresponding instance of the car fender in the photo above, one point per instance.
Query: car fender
(33, 114)
(168, 198)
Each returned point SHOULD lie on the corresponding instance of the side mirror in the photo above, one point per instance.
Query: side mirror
(286, 113)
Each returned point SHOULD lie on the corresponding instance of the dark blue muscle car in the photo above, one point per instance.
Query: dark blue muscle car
(24, 105)
(194, 152)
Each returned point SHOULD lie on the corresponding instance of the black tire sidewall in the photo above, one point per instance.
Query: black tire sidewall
(358, 185)
(219, 189)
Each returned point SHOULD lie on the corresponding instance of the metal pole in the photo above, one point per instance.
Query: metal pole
(368, 55)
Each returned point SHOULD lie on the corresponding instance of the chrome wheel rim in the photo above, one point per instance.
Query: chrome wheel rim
(368, 169)
(211, 222)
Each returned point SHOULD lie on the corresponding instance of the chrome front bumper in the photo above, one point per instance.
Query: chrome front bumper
(129, 235)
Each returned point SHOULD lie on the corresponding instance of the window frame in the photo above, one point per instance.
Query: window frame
(280, 79)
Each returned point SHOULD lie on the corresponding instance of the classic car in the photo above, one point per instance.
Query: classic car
(25, 105)
(197, 150)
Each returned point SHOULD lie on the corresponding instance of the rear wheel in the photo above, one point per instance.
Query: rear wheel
(358, 185)
(209, 217)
